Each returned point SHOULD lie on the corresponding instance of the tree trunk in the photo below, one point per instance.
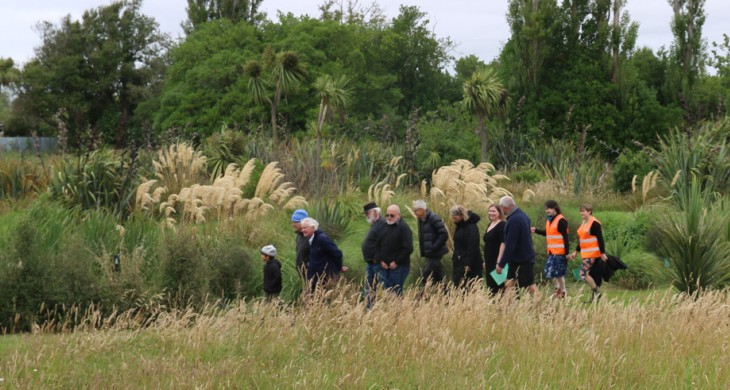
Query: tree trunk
(616, 42)
(483, 134)
(274, 106)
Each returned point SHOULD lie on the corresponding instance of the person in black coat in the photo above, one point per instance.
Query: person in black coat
(272, 272)
(432, 239)
(325, 258)
(395, 245)
(467, 257)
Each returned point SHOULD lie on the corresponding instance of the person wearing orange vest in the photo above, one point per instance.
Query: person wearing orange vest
(556, 233)
(591, 247)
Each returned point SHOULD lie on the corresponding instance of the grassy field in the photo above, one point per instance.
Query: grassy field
(654, 339)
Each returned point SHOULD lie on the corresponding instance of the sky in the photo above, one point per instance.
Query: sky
(477, 27)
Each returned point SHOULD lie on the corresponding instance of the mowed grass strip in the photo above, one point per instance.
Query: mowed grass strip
(455, 340)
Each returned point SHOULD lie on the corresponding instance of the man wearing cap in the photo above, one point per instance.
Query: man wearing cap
(272, 272)
(370, 247)
(432, 238)
(302, 245)
(395, 245)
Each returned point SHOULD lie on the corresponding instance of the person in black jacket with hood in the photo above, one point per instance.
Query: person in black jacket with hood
(272, 272)
(467, 259)
(432, 239)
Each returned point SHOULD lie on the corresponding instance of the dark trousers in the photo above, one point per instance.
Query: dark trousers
(433, 270)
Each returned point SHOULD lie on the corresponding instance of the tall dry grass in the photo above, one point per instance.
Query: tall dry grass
(224, 198)
(432, 341)
(475, 187)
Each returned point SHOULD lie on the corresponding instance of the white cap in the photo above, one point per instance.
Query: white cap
(269, 250)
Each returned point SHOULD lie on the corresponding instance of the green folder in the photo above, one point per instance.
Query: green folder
(500, 278)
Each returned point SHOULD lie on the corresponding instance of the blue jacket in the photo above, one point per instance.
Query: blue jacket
(518, 248)
(324, 256)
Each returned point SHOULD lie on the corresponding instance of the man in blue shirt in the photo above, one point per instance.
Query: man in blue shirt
(519, 252)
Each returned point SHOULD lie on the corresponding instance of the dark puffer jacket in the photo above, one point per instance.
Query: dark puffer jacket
(432, 236)
(466, 244)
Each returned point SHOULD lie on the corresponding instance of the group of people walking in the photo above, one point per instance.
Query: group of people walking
(388, 245)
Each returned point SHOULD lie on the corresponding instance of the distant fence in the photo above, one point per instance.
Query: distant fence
(26, 144)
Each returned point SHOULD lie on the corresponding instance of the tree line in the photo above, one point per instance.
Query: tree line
(569, 69)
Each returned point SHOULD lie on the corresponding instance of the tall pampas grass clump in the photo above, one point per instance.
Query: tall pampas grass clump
(475, 187)
(223, 199)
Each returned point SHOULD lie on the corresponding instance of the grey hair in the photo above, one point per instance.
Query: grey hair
(395, 207)
(311, 222)
(459, 210)
(378, 210)
(507, 201)
(419, 204)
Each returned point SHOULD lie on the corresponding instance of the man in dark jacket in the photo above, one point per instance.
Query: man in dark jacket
(395, 245)
(325, 258)
(370, 248)
(302, 244)
(519, 252)
(272, 272)
(432, 238)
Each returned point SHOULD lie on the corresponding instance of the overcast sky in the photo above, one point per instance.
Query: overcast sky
(476, 26)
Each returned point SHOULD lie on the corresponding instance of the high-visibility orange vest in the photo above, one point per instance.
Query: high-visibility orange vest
(589, 248)
(555, 242)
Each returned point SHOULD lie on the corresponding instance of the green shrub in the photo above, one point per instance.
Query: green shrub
(644, 271)
(627, 165)
(98, 180)
(184, 272)
(232, 269)
(694, 241)
(527, 175)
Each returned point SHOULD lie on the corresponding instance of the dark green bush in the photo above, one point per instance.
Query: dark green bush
(184, 272)
(627, 165)
(232, 269)
(644, 271)
(527, 175)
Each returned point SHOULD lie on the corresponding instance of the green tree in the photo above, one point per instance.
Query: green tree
(97, 70)
(485, 97)
(285, 73)
(333, 96)
(203, 11)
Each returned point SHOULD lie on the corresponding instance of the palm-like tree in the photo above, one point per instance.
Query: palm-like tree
(333, 95)
(286, 75)
(484, 96)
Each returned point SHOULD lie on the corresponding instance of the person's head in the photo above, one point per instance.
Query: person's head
(586, 210)
(459, 213)
(296, 219)
(309, 226)
(392, 214)
(372, 212)
(495, 212)
(419, 208)
(552, 209)
(268, 252)
(507, 204)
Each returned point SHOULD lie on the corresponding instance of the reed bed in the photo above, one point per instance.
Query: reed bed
(422, 340)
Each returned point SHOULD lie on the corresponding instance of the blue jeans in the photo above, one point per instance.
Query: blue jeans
(395, 279)
(372, 279)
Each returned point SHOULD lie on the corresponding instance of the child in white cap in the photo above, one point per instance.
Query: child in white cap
(272, 272)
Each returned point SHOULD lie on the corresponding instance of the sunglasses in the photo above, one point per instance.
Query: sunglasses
(390, 215)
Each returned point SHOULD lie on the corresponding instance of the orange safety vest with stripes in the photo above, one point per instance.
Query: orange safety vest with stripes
(589, 248)
(555, 242)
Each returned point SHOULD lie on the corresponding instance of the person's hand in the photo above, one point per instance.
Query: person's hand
(499, 270)
(384, 265)
(344, 269)
(532, 229)
(604, 257)
(393, 265)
